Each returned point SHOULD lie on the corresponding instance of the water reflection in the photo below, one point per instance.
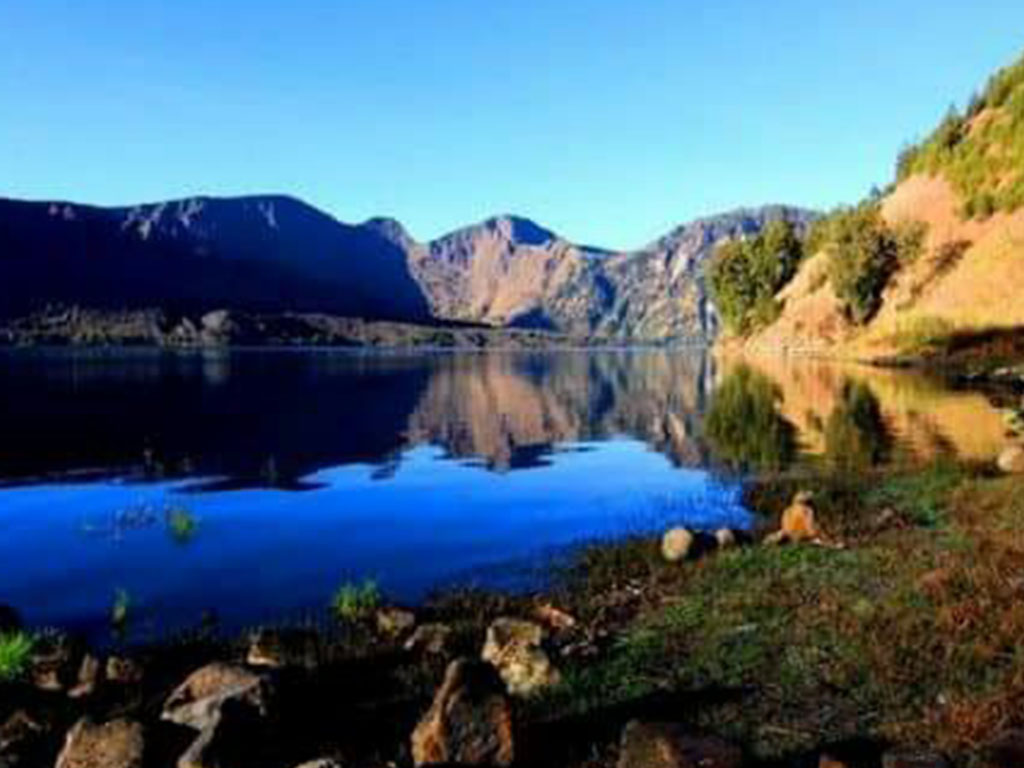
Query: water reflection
(856, 435)
(420, 470)
(744, 428)
(854, 414)
(259, 419)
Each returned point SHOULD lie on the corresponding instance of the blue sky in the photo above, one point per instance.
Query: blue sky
(609, 121)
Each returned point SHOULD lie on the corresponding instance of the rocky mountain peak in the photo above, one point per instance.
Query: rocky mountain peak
(391, 230)
(519, 231)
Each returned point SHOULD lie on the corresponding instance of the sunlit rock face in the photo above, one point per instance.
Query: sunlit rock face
(509, 409)
(510, 271)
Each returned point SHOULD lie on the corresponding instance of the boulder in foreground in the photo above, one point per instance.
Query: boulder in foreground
(798, 522)
(469, 722)
(198, 701)
(116, 744)
(676, 544)
(668, 745)
(513, 646)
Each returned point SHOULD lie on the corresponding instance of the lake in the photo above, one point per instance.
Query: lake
(248, 485)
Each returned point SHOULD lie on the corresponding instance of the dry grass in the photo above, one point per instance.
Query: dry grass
(910, 634)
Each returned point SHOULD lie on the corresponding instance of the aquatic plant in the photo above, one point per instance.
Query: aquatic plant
(182, 524)
(120, 609)
(353, 602)
(15, 653)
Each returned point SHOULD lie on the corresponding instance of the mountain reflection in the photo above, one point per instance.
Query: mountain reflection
(273, 418)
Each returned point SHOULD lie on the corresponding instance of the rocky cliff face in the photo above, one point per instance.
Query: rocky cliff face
(509, 271)
(277, 254)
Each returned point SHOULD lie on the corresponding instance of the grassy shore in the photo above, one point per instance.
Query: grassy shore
(903, 629)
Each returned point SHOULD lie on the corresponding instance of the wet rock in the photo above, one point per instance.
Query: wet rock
(798, 522)
(913, 758)
(19, 735)
(279, 648)
(395, 621)
(469, 721)
(667, 745)
(798, 519)
(554, 618)
(198, 701)
(676, 544)
(53, 663)
(431, 639)
(725, 539)
(1011, 460)
(88, 677)
(116, 744)
(121, 670)
(1004, 751)
(513, 647)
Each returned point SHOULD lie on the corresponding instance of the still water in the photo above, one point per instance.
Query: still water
(249, 485)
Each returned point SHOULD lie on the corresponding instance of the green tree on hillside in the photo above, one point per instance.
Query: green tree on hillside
(864, 252)
(744, 275)
(980, 151)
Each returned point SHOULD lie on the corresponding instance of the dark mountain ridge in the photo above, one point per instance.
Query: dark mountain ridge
(273, 253)
(261, 253)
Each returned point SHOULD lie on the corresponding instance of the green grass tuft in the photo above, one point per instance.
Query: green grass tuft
(15, 654)
(355, 602)
(182, 524)
(921, 496)
(120, 609)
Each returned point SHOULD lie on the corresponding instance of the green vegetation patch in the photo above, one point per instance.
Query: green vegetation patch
(15, 655)
(864, 252)
(909, 633)
(120, 610)
(182, 524)
(980, 151)
(356, 601)
(744, 276)
(921, 496)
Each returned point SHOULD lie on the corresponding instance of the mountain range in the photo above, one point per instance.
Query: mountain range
(277, 254)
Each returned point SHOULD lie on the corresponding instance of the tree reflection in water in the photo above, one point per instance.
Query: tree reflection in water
(744, 429)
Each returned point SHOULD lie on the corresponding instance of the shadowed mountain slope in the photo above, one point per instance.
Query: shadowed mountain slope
(276, 254)
(257, 253)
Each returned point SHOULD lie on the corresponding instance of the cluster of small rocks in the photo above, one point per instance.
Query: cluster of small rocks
(798, 524)
(225, 706)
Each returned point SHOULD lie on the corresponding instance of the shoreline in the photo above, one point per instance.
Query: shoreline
(771, 638)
